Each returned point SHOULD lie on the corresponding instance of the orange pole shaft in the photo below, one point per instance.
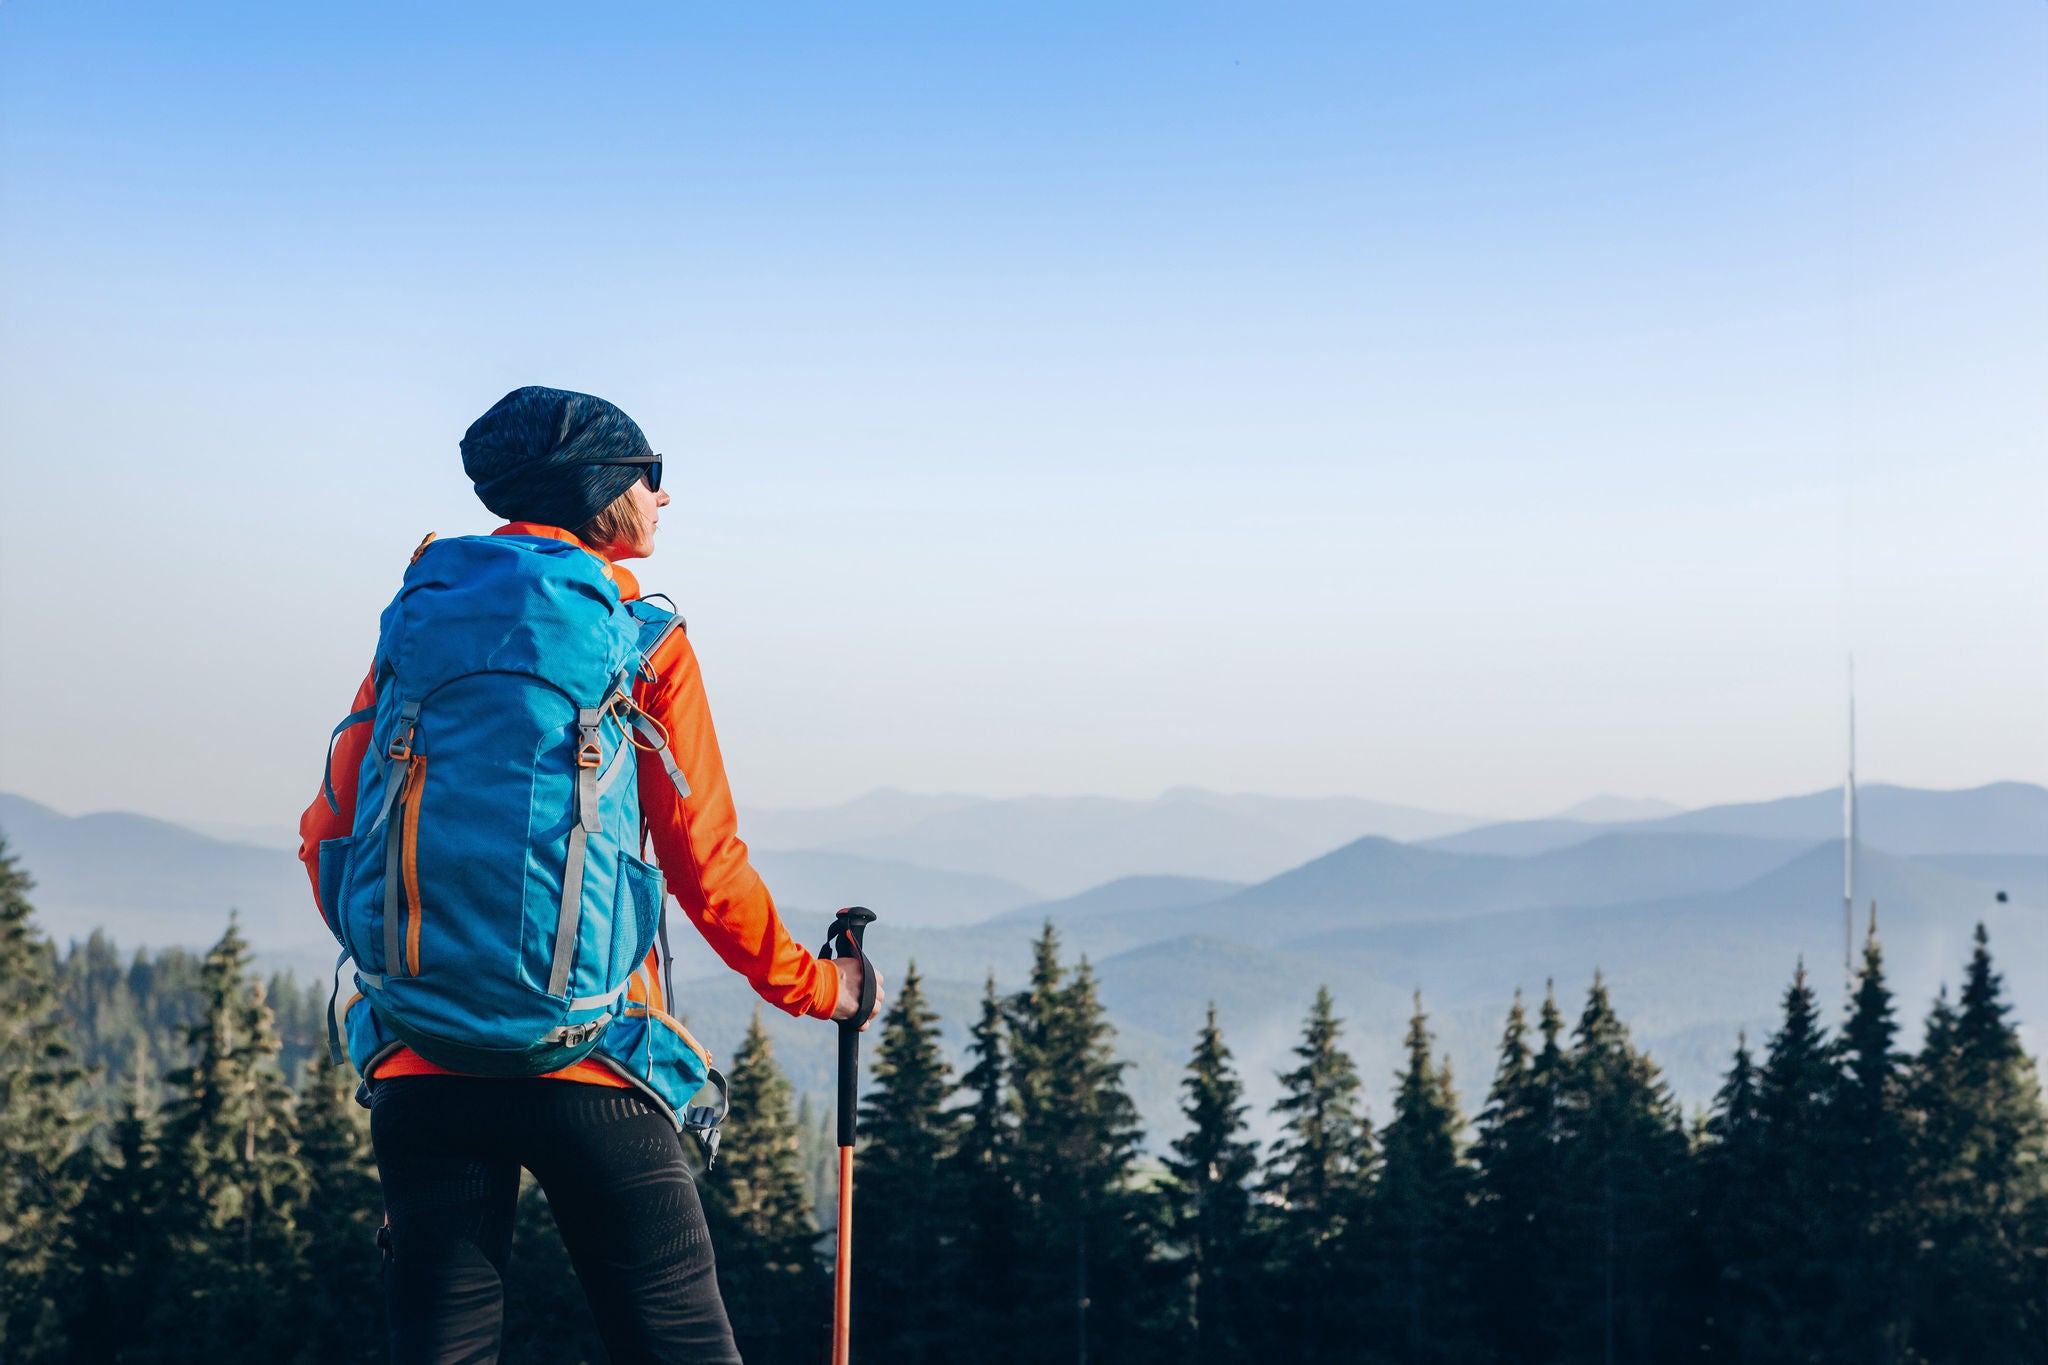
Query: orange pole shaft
(842, 1265)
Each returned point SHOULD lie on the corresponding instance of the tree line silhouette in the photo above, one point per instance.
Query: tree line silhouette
(184, 1176)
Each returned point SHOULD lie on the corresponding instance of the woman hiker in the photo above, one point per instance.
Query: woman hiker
(482, 870)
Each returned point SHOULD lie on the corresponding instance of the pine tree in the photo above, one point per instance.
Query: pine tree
(1521, 1220)
(1316, 1175)
(1510, 1152)
(1870, 1145)
(755, 1200)
(128, 1020)
(39, 1123)
(1727, 1244)
(1803, 1255)
(981, 1283)
(817, 1149)
(1622, 1149)
(1322, 1157)
(341, 1304)
(1508, 1101)
(1418, 1215)
(1212, 1166)
(1085, 1269)
(1769, 1198)
(233, 1183)
(117, 1252)
(1982, 1183)
(899, 1206)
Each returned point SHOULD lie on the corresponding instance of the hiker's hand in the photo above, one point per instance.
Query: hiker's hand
(849, 991)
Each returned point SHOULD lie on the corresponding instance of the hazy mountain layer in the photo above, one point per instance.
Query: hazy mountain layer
(1128, 895)
(2003, 817)
(1689, 973)
(152, 882)
(1697, 922)
(915, 895)
(1067, 844)
(149, 881)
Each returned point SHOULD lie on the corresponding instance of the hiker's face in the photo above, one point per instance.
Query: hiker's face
(647, 517)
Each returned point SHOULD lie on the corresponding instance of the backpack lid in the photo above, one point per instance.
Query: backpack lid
(508, 604)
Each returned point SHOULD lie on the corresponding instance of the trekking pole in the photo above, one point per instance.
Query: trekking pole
(849, 928)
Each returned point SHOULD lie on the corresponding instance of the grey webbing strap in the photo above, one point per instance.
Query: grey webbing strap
(571, 911)
(327, 776)
(589, 756)
(393, 780)
(374, 982)
(393, 965)
(591, 1002)
(668, 962)
(408, 716)
(334, 1052)
(612, 769)
(668, 760)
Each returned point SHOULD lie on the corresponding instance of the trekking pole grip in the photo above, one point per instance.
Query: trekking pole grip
(849, 932)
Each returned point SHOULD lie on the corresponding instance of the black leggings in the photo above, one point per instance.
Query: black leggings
(450, 1149)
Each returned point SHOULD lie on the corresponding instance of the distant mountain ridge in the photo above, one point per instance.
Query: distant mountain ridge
(1696, 919)
(1688, 970)
(1068, 844)
(149, 881)
(2000, 817)
(1609, 809)
(823, 882)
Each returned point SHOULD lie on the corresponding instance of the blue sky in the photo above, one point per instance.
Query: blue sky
(1474, 405)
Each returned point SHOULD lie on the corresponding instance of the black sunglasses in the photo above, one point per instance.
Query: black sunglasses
(652, 474)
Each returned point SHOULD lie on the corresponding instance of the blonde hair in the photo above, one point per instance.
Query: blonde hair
(618, 524)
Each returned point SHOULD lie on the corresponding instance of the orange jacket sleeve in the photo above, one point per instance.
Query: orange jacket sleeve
(696, 840)
(321, 821)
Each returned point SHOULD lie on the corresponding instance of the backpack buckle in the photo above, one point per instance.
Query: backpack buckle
(590, 755)
(576, 1035)
(401, 747)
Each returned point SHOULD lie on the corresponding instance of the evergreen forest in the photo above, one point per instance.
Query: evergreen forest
(186, 1177)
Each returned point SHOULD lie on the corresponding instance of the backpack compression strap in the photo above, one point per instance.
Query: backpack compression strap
(651, 730)
(327, 777)
(589, 760)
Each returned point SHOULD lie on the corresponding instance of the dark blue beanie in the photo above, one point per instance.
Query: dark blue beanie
(531, 455)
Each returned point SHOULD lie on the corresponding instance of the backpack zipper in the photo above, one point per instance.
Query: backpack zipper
(409, 849)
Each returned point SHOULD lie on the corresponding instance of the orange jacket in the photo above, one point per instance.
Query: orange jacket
(695, 839)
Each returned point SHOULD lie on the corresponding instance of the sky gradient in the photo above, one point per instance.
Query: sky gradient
(1478, 406)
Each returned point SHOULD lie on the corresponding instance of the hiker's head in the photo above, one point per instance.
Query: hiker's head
(570, 460)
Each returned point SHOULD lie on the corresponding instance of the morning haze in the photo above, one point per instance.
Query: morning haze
(1479, 419)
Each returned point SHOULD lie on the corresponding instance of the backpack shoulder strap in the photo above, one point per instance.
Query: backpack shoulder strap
(656, 625)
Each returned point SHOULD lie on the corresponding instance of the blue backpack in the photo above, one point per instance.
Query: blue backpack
(491, 894)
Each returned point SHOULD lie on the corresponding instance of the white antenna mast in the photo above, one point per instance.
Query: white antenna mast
(1849, 846)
